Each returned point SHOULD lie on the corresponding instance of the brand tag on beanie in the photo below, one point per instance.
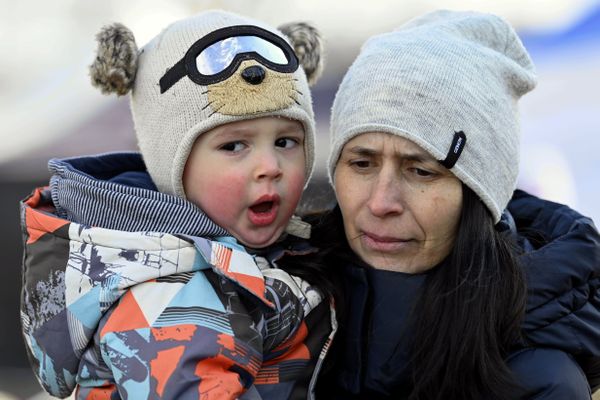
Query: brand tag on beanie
(456, 148)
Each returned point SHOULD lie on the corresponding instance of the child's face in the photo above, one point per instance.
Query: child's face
(248, 176)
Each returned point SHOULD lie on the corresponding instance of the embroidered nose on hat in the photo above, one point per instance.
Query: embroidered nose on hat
(254, 75)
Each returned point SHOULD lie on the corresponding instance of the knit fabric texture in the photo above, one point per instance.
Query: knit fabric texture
(438, 74)
(168, 124)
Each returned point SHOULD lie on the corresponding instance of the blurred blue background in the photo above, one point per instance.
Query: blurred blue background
(49, 109)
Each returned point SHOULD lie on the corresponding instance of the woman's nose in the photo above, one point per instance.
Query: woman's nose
(385, 197)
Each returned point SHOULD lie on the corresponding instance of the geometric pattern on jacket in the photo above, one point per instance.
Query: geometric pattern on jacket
(153, 315)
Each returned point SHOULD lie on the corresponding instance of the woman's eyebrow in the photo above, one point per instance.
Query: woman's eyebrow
(417, 157)
(408, 156)
(363, 151)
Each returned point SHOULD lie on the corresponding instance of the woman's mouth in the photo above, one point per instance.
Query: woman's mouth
(386, 244)
(264, 211)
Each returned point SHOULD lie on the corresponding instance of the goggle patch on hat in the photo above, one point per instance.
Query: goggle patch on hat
(216, 56)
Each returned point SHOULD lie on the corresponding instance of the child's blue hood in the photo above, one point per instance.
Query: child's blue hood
(115, 191)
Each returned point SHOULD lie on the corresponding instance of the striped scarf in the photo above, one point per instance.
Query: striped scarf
(84, 190)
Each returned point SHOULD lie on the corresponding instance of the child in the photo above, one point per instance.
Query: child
(132, 286)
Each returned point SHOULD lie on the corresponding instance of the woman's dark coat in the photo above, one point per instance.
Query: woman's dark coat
(561, 262)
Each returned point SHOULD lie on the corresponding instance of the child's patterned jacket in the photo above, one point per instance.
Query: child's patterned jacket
(172, 311)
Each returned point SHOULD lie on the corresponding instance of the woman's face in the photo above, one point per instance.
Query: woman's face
(400, 206)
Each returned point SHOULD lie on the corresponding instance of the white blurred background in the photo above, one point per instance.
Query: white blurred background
(49, 109)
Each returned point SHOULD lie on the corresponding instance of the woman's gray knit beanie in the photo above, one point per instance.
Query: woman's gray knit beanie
(436, 76)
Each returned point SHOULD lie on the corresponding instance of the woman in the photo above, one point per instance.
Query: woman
(446, 296)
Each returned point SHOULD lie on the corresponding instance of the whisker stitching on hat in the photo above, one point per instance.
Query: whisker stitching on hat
(216, 111)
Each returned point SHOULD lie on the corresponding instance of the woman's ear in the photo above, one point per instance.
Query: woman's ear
(308, 46)
(113, 70)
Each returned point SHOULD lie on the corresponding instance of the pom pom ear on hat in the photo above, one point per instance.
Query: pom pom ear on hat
(308, 47)
(114, 69)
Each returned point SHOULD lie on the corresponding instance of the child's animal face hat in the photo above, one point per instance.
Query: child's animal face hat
(206, 71)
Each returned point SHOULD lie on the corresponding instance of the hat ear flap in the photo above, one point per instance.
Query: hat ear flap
(113, 70)
(308, 47)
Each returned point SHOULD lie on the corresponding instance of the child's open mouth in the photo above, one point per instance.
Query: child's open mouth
(264, 211)
(263, 207)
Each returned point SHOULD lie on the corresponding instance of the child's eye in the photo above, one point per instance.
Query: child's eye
(232, 146)
(287, 142)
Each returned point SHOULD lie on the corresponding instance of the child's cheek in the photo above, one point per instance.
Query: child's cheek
(227, 196)
(294, 190)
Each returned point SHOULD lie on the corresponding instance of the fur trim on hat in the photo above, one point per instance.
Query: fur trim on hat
(308, 47)
(115, 66)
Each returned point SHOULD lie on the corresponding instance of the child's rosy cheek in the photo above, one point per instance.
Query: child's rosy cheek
(226, 193)
(296, 184)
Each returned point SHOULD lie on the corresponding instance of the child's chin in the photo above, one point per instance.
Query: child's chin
(258, 241)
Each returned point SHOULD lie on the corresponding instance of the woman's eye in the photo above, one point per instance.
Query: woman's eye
(423, 172)
(360, 164)
(232, 147)
(287, 142)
